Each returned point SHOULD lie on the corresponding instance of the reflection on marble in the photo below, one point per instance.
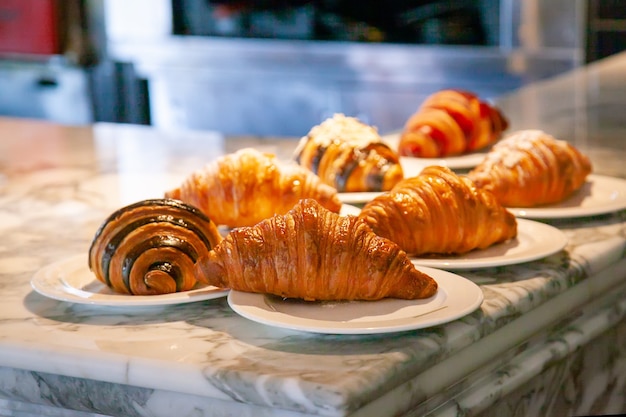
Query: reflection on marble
(201, 359)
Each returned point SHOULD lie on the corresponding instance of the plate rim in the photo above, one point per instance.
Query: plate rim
(458, 162)
(560, 242)
(463, 286)
(547, 212)
(359, 197)
(349, 210)
(79, 262)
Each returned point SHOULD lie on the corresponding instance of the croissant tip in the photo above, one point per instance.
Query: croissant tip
(209, 272)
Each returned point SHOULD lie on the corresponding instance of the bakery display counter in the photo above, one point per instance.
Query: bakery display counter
(547, 338)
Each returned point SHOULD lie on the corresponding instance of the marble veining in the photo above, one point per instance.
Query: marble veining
(220, 355)
(562, 383)
(202, 359)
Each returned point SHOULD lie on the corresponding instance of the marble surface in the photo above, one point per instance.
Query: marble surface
(58, 183)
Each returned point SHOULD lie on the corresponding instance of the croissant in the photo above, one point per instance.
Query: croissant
(349, 155)
(245, 187)
(150, 247)
(530, 168)
(439, 212)
(313, 254)
(451, 122)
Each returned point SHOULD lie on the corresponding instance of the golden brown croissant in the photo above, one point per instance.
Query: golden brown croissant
(451, 122)
(349, 155)
(150, 247)
(439, 212)
(530, 168)
(313, 254)
(245, 187)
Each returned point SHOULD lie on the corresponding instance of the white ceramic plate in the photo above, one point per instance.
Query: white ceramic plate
(599, 195)
(71, 280)
(455, 298)
(349, 210)
(412, 166)
(358, 198)
(534, 241)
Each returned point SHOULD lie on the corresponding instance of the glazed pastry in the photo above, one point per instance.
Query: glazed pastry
(451, 122)
(245, 187)
(349, 155)
(313, 254)
(439, 212)
(150, 247)
(530, 168)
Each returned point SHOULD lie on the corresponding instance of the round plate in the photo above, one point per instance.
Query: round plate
(71, 280)
(412, 166)
(358, 198)
(349, 210)
(455, 298)
(534, 241)
(599, 195)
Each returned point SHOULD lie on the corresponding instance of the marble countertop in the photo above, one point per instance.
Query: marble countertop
(58, 183)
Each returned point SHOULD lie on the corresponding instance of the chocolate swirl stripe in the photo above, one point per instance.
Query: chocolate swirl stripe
(149, 247)
(351, 162)
(355, 164)
(114, 241)
(174, 266)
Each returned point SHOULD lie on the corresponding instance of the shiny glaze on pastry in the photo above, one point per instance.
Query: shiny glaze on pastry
(451, 122)
(313, 254)
(349, 155)
(245, 187)
(150, 247)
(439, 212)
(531, 168)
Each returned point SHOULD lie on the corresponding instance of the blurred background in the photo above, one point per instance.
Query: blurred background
(278, 67)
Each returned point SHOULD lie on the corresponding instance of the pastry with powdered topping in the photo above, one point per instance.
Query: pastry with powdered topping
(531, 168)
(349, 155)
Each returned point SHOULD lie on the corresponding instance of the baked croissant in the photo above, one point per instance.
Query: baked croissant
(451, 122)
(150, 247)
(349, 155)
(439, 212)
(245, 187)
(313, 254)
(531, 168)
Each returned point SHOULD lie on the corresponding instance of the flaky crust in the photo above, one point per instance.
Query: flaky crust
(313, 254)
(245, 187)
(451, 122)
(439, 212)
(349, 155)
(531, 168)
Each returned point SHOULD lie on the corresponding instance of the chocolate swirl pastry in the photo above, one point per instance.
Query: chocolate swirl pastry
(150, 247)
(349, 155)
